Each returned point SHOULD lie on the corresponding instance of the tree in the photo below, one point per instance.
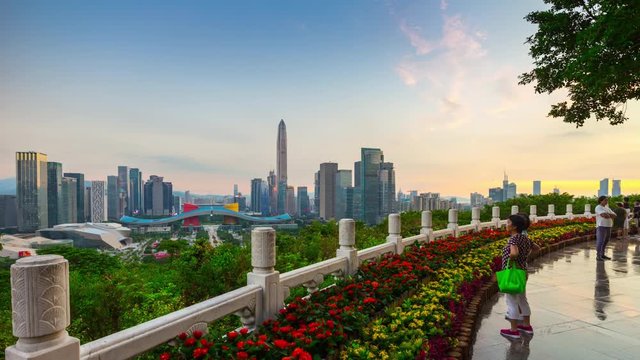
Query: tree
(590, 47)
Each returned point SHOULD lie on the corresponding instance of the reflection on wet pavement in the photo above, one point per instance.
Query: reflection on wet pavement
(581, 308)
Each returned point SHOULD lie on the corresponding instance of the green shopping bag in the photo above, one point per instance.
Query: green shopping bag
(511, 280)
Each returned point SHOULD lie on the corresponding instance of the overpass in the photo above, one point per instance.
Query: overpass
(204, 210)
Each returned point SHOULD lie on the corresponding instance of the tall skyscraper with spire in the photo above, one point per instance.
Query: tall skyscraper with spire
(281, 174)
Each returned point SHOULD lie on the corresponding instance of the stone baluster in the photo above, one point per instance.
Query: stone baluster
(514, 209)
(587, 210)
(263, 260)
(394, 233)
(453, 221)
(427, 225)
(40, 304)
(475, 217)
(347, 241)
(495, 216)
(533, 216)
(570, 211)
(552, 211)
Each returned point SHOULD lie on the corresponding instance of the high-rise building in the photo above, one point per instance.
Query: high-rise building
(537, 187)
(511, 191)
(69, 212)
(177, 204)
(87, 203)
(303, 206)
(327, 181)
(371, 159)
(113, 196)
(235, 190)
(187, 197)
(98, 214)
(357, 166)
(8, 211)
(123, 191)
(477, 199)
(316, 193)
(387, 179)
(256, 194)
(31, 191)
(496, 193)
(604, 187)
(616, 187)
(556, 191)
(291, 201)
(158, 196)
(80, 217)
(281, 175)
(54, 191)
(343, 183)
(136, 191)
(272, 184)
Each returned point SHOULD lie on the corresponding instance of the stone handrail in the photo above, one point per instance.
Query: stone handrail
(47, 278)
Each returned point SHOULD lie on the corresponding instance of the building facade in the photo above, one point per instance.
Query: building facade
(69, 214)
(303, 205)
(604, 187)
(98, 207)
(8, 211)
(136, 191)
(291, 201)
(123, 191)
(54, 192)
(370, 162)
(387, 179)
(80, 213)
(158, 196)
(327, 180)
(281, 175)
(113, 196)
(616, 187)
(32, 191)
(537, 187)
(343, 184)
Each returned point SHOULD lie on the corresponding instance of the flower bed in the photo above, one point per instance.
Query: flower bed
(321, 324)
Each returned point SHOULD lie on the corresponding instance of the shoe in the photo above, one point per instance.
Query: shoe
(526, 329)
(606, 257)
(512, 334)
(599, 258)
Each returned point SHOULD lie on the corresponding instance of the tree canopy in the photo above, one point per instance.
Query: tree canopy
(591, 48)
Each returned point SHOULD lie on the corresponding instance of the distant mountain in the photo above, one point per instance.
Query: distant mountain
(8, 186)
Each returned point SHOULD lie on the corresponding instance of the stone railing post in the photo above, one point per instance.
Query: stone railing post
(587, 210)
(347, 241)
(40, 304)
(514, 209)
(263, 260)
(475, 217)
(427, 225)
(495, 216)
(394, 232)
(533, 213)
(552, 211)
(453, 221)
(570, 211)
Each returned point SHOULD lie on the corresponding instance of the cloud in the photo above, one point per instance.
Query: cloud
(444, 4)
(421, 45)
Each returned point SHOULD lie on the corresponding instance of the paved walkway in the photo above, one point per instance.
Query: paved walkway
(581, 308)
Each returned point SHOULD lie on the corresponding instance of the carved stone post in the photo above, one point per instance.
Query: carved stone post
(514, 209)
(347, 241)
(263, 260)
(533, 216)
(394, 232)
(453, 221)
(427, 225)
(40, 304)
(552, 211)
(570, 211)
(475, 217)
(495, 216)
(587, 210)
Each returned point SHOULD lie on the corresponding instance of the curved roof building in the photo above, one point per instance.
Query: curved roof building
(201, 211)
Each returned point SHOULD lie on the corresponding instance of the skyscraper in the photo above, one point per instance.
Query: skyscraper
(604, 187)
(235, 190)
(272, 184)
(387, 178)
(87, 203)
(8, 211)
(303, 202)
(616, 188)
(112, 198)
(316, 193)
(537, 186)
(282, 166)
(69, 212)
(291, 201)
(371, 159)
(328, 172)
(31, 191)
(97, 202)
(123, 191)
(496, 194)
(256, 192)
(80, 217)
(158, 196)
(54, 191)
(343, 183)
(136, 191)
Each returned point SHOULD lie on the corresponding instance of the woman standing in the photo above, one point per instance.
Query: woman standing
(517, 250)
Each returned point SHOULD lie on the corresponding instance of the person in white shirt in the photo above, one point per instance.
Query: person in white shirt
(604, 222)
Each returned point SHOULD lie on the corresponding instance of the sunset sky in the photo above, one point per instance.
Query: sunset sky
(194, 90)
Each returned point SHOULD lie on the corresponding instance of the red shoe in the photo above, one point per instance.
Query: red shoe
(512, 334)
(526, 329)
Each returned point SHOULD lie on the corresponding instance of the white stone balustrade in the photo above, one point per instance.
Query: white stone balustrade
(533, 216)
(569, 213)
(514, 210)
(552, 212)
(587, 210)
(40, 325)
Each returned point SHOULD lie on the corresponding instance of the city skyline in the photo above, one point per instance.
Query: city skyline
(196, 98)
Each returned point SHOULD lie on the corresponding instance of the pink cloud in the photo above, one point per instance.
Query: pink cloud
(444, 4)
(421, 45)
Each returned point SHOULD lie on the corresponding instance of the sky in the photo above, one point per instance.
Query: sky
(194, 90)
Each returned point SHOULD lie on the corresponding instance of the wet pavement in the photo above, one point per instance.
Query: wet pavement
(581, 308)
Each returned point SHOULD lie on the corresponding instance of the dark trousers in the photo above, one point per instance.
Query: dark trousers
(603, 234)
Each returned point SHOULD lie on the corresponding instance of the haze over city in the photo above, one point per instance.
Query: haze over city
(195, 94)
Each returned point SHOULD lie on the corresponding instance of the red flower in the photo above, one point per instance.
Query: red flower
(190, 342)
(204, 342)
(301, 354)
(282, 344)
(197, 334)
(232, 335)
(183, 336)
(369, 300)
(291, 318)
(242, 355)
(240, 345)
(375, 284)
(244, 331)
(200, 352)
(165, 356)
